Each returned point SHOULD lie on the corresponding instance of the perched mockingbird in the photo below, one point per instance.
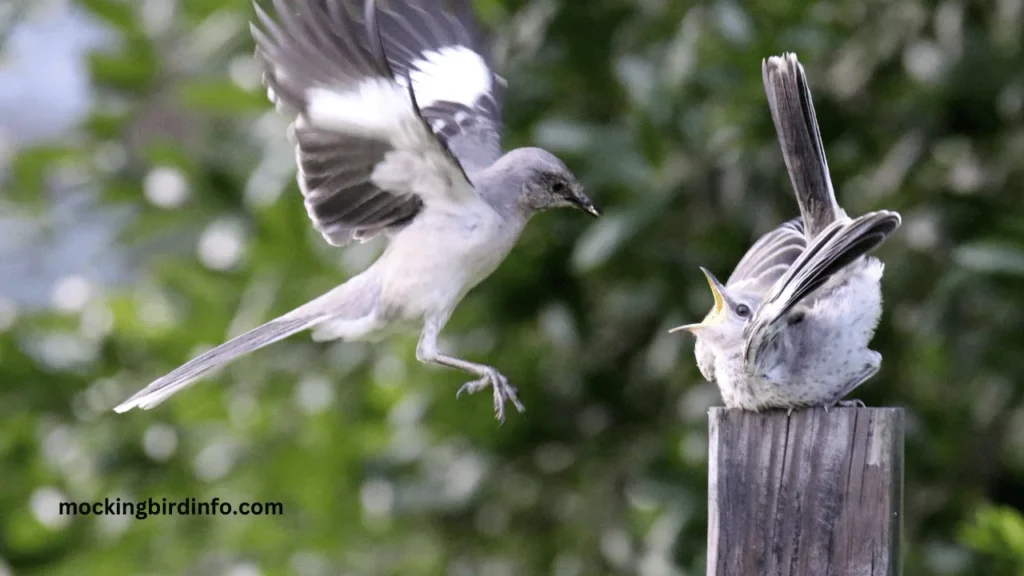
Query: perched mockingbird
(397, 134)
(791, 326)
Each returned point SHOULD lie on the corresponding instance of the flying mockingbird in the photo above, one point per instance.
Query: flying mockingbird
(791, 326)
(397, 133)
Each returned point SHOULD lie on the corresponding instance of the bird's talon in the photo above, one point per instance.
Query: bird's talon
(520, 407)
(472, 387)
(499, 411)
(511, 394)
(502, 392)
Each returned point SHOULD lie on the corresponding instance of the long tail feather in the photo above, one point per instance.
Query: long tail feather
(789, 99)
(187, 374)
(354, 299)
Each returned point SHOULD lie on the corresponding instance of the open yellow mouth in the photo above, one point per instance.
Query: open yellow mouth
(719, 299)
(717, 313)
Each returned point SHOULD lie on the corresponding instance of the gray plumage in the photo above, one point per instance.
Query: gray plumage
(397, 131)
(791, 326)
(796, 124)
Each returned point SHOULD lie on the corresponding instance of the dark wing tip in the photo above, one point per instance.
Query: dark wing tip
(894, 219)
(883, 222)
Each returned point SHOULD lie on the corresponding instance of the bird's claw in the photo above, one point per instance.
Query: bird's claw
(472, 387)
(503, 392)
(844, 404)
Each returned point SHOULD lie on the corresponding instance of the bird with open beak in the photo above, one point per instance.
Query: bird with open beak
(790, 328)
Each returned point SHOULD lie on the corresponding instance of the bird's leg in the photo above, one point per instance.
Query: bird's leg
(870, 369)
(427, 352)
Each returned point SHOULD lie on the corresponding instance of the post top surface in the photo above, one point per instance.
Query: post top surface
(721, 411)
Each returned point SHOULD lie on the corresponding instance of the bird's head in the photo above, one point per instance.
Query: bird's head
(548, 183)
(730, 313)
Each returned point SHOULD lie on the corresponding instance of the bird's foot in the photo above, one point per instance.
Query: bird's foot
(503, 392)
(844, 404)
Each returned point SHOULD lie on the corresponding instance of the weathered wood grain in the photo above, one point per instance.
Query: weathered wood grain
(812, 494)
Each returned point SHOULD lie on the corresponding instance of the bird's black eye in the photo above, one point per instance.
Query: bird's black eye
(742, 310)
(558, 187)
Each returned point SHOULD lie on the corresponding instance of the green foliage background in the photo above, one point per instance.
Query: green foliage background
(658, 107)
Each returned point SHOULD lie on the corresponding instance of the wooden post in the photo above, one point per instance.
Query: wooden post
(812, 494)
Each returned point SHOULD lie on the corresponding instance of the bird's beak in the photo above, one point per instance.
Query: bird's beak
(688, 327)
(713, 317)
(583, 203)
(716, 290)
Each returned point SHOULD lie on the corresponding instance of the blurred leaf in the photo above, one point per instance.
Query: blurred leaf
(991, 257)
(998, 532)
(123, 72)
(105, 126)
(216, 97)
(31, 168)
(601, 240)
(116, 12)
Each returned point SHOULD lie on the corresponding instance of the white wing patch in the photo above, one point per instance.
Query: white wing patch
(450, 74)
(430, 175)
(378, 109)
(381, 110)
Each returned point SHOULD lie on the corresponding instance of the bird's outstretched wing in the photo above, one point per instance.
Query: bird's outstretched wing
(789, 99)
(369, 158)
(440, 51)
(832, 250)
(769, 258)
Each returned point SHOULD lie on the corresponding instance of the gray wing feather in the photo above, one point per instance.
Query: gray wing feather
(836, 247)
(769, 258)
(323, 45)
(789, 99)
(472, 136)
(334, 177)
(327, 44)
(412, 30)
